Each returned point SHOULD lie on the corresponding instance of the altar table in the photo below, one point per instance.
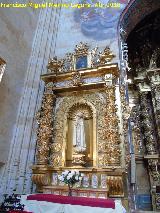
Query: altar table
(47, 203)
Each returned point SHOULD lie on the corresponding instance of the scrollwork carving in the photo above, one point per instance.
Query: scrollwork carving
(41, 179)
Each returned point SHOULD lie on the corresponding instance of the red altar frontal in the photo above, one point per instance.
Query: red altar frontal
(92, 202)
(48, 203)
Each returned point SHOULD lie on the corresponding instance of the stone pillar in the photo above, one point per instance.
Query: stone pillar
(17, 172)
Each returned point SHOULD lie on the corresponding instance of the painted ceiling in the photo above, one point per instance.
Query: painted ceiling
(99, 23)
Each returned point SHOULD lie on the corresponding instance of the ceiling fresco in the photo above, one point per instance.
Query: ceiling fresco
(99, 23)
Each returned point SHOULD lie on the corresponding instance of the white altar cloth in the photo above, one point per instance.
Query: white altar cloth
(48, 207)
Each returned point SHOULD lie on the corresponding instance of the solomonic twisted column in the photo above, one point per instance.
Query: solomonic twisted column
(156, 104)
(150, 139)
(147, 124)
(45, 122)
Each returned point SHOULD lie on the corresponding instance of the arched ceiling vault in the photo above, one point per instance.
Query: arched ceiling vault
(135, 11)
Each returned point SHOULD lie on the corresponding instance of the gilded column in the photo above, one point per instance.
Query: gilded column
(136, 130)
(45, 129)
(125, 116)
(110, 150)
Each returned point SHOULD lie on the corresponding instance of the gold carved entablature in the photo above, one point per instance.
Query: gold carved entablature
(82, 80)
(84, 88)
(85, 73)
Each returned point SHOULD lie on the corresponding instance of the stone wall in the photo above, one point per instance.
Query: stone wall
(16, 35)
(16, 174)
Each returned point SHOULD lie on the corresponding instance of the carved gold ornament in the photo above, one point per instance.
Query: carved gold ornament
(109, 150)
(124, 106)
(105, 56)
(82, 108)
(41, 179)
(79, 127)
(44, 133)
(77, 79)
(56, 147)
(55, 65)
(72, 103)
(68, 63)
(81, 49)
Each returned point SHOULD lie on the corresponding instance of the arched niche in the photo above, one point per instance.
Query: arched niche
(79, 136)
(97, 104)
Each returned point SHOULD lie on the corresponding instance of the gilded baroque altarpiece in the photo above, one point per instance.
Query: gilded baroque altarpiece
(80, 125)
